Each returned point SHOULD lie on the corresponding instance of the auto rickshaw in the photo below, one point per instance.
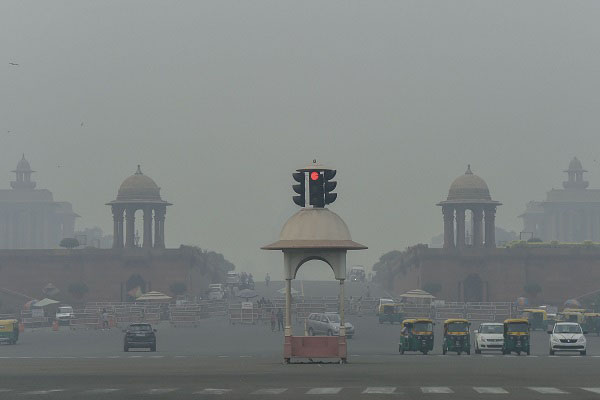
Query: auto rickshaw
(9, 331)
(571, 315)
(538, 319)
(591, 323)
(390, 313)
(516, 336)
(456, 336)
(416, 335)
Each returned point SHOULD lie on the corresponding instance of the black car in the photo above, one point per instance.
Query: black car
(140, 336)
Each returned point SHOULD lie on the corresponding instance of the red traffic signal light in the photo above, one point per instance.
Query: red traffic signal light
(314, 176)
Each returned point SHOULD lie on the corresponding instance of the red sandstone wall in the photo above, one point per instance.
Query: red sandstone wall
(102, 270)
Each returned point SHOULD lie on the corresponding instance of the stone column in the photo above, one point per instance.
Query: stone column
(117, 227)
(130, 221)
(490, 227)
(342, 303)
(477, 215)
(287, 331)
(147, 227)
(159, 220)
(448, 213)
(460, 228)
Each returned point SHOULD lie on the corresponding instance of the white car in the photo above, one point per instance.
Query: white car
(567, 336)
(64, 315)
(489, 336)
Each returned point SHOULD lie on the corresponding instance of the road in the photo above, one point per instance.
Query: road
(241, 362)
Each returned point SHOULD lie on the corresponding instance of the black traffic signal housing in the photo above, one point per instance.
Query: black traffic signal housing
(315, 189)
(299, 188)
(329, 186)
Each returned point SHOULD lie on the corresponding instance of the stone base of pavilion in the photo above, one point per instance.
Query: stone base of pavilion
(310, 348)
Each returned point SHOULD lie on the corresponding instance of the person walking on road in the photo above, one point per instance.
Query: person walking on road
(273, 320)
(104, 319)
(267, 279)
(279, 320)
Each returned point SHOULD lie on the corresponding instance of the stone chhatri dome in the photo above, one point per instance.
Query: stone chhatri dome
(139, 187)
(23, 165)
(469, 187)
(575, 165)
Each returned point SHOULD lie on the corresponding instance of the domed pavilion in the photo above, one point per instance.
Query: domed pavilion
(139, 192)
(469, 192)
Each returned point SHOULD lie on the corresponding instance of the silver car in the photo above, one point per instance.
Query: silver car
(327, 324)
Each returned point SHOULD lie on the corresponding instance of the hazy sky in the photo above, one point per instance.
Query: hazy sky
(221, 100)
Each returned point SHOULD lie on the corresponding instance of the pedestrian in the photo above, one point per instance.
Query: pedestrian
(104, 319)
(273, 320)
(280, 319)
(267, 279)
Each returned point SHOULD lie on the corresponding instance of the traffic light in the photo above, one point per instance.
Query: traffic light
(328, 186)
(299, 188)
(315, 189)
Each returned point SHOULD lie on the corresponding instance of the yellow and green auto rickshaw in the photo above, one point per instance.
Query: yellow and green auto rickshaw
(538, 318)
(571, 315)
(516, 336)
(9, 331)
(416, 335)
(457, 336)
(591, 323)
(390, 313)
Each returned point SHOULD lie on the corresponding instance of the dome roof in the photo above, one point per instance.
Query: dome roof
(469, 187)
(575, 165)
(23, 165)
(315, 228)
(138, 187)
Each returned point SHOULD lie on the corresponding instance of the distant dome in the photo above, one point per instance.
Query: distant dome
(139, 187)
(469, 187)
(23, 165)
(315, 227)
(575, 165)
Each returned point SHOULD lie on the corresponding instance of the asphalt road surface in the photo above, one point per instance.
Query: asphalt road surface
(245, 362)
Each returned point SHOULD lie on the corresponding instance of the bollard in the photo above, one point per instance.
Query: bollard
(55, 325)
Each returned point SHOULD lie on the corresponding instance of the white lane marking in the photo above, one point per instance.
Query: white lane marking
(113, 357)
(42, 392)
(213, 391)
(135, 356)
(245, 356)
(156, 356)
(5, 390)
(101, 391)
(223, 356)
(330, 390)
(490, 390)
(593, 390)
(380, 390)
(436, 389)
(160, 391)
(548, 390)
(270, 391)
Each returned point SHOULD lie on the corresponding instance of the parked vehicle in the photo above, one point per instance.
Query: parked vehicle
(571, 315)
(416, 335)
(327, 324)
(233, 278)
(567, 336)
(390, 313)
(516, 336)
(538, 318)
(64, 315)
(216, 291)
(457, 336)
(591, 323)
(9, 331)
(140, 336)
(489, 336)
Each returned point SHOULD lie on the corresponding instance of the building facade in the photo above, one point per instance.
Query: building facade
(29, 217)
(570, 214)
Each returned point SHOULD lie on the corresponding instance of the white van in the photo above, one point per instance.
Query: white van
(216, 291)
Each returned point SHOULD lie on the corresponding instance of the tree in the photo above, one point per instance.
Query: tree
(178, 288)
(78, 289)
(532, 289)
(69, 243)
(433, 288)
